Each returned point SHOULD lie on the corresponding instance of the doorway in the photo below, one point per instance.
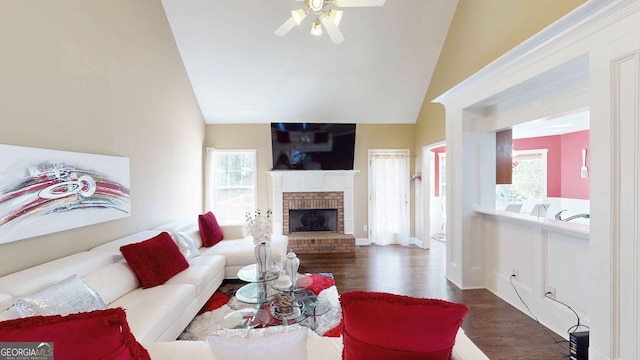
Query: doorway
(389, 197)
(434, 189)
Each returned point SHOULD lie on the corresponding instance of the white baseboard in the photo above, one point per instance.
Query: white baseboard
(416, 241)
(419, 243)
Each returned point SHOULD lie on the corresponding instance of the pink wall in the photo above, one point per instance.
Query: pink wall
(563, 162)
(573, 186)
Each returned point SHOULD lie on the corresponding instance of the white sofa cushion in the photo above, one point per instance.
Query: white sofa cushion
(200, 275)
(151, 311)
(37, 277)
(207, 260)
(234, 231)
(113, 281)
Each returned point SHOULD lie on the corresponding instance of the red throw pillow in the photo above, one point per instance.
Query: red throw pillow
(210, 231)
(155, 260)
(99, 334)
(401, 327)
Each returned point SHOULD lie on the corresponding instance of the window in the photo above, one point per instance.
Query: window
(231, 184)
(529, 181)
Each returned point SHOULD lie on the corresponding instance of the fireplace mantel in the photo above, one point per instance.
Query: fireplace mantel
(312, 181)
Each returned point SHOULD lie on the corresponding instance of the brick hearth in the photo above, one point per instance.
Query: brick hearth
(322, 243)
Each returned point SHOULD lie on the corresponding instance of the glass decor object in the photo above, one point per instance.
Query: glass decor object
(291, 265)
(262, 252)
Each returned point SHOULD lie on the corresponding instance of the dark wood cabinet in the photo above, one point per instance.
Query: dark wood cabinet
(504, 162)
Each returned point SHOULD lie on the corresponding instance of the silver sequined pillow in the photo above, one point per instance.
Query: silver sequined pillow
(71, 295)
(187, 246)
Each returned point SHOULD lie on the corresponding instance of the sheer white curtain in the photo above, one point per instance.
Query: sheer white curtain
(209, 178)
(389, 196)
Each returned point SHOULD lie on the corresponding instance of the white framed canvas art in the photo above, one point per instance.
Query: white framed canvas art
(45, 191)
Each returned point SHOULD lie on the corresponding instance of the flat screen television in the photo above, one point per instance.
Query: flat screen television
(313, 146)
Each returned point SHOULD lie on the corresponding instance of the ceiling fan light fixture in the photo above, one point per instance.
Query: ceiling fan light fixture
(335, 16)
(298, 15)
(326, 17)
(316, 29)
(316, 5)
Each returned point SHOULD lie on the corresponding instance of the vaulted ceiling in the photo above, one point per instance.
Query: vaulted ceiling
(242, 73)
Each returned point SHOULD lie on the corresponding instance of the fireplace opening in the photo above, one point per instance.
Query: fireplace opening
(311, 220)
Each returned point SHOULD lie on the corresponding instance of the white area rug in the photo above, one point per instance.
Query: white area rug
(205, 323)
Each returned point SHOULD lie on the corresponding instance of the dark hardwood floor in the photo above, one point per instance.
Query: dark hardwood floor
(497, 328)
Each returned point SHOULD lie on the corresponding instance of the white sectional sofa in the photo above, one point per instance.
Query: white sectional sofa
(155, 314)
(159, 314)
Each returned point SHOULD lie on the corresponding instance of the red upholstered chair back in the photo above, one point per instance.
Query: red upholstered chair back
(388, 326)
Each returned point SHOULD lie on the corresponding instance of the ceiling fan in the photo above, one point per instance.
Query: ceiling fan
(325, 16)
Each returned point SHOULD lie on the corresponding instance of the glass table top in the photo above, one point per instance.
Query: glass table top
(256, 293)
(250, 273)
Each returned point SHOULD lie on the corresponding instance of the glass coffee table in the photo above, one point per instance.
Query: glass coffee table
(307, 305)
(258, 290)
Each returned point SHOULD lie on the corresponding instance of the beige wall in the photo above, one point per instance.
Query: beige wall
(101, 77)
(480, 32)
(258, 136)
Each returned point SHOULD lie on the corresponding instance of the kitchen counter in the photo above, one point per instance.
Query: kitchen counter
(567, 227)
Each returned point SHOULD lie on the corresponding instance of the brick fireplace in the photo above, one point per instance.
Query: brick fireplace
(323, 240)
(304, 204)
(312, 201)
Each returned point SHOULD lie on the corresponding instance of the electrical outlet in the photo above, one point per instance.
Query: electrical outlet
(514, 272)
(364, 227)
(550, 292)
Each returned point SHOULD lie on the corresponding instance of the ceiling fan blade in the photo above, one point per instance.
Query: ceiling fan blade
(358, 3)
(284, 28)
(334, 32)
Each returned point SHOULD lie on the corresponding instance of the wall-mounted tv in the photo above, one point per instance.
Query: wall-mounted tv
(313, 146)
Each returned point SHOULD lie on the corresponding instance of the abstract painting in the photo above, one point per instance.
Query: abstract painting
(45, 191)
